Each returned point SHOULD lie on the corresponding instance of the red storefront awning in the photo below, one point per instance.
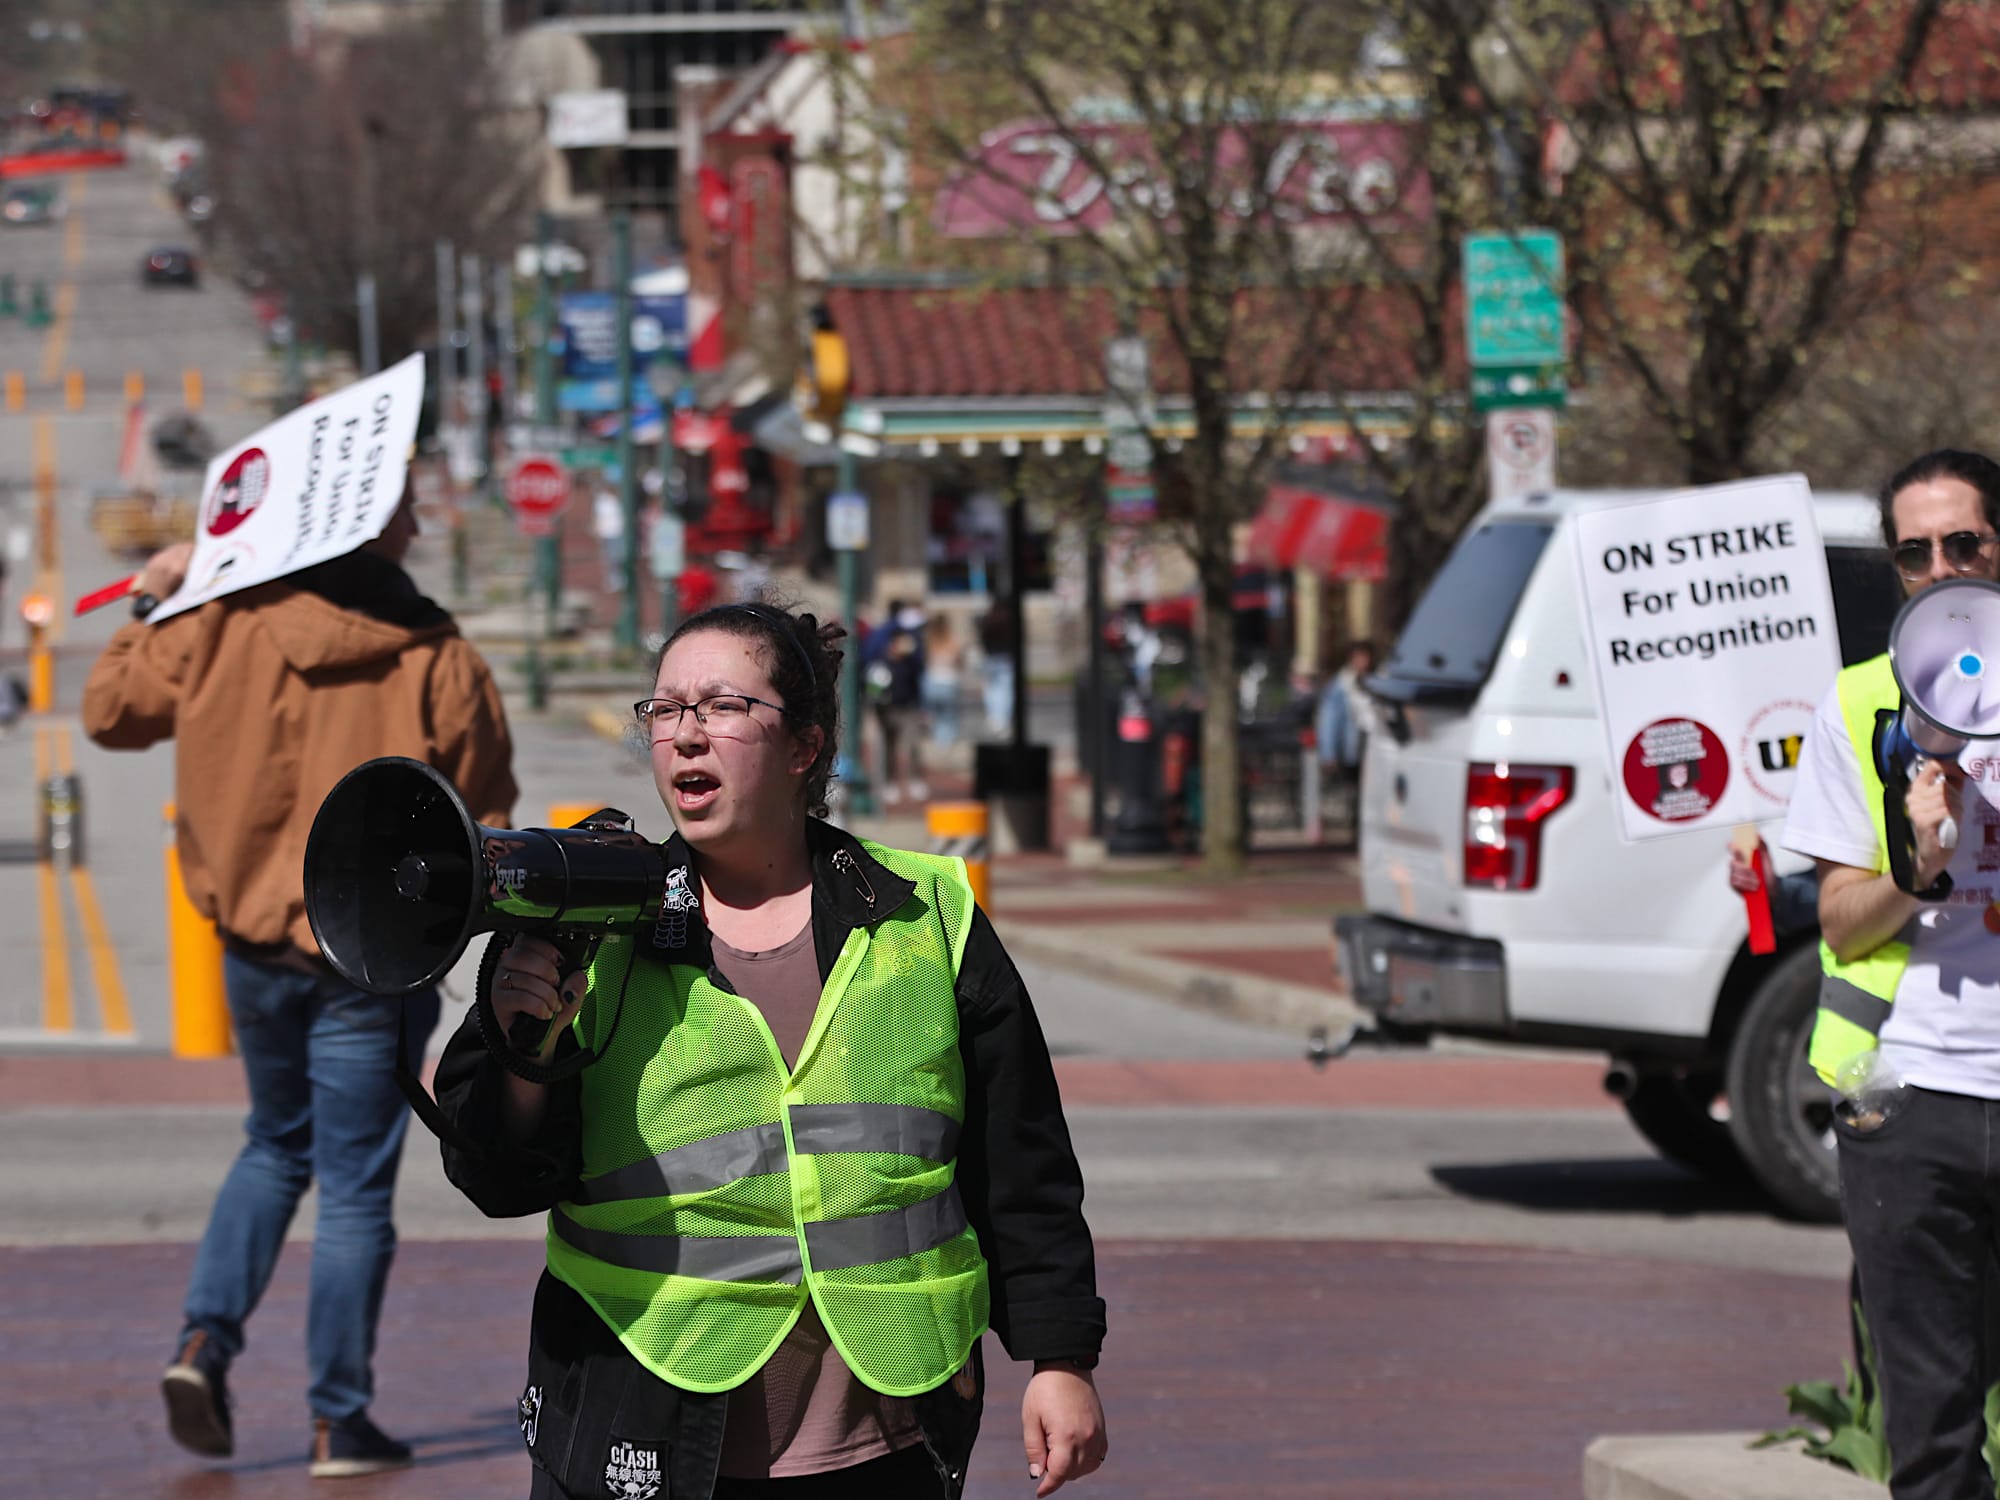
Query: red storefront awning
(1344, 540)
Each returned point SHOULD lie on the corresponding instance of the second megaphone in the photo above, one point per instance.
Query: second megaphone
(399, 878)
(1944, 650)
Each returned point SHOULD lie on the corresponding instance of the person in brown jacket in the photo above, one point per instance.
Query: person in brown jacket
(274, 693)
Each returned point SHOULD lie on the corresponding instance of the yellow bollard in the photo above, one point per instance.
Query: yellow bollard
(17, 391)
(194, 960)
(39, 613)
(569, 814)
(960, 828)
(73, 390)
(135, 387)
(191, 389)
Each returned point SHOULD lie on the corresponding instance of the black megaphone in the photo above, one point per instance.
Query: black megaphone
(399, 879)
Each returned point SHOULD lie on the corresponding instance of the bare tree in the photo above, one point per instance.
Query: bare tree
(1742, 182)
(1187, 186)
(354, 157)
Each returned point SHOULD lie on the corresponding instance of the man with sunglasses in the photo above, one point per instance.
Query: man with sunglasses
(1909, 1019)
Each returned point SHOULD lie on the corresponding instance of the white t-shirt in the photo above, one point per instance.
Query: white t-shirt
(1943, 1032)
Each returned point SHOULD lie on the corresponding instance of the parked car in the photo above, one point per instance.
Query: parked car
(32, 203)
(170, 266)
(1502, 904)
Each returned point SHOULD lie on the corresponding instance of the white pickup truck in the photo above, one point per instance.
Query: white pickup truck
(1504, 906)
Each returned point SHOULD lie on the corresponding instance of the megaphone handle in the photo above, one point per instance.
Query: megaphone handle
(520, 1063)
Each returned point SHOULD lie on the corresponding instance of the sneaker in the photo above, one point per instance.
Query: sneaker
(198, 1399)
(920, 791)
(353, 1446)
(892, 795)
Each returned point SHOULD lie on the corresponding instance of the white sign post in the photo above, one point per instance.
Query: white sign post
(1712, 638)
(315, 484)
(1520, 452)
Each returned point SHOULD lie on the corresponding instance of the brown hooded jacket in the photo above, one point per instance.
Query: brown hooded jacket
(273, 695)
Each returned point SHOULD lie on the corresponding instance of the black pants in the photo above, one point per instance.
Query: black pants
(906, 1474)
(1921, 1196)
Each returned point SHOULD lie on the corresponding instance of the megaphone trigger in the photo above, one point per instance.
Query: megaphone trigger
(1948, 833)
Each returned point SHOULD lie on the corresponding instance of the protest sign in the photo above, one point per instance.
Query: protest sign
(1712, 638)
(318, 482)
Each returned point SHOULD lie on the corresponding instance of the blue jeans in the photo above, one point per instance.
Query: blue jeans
(320, 1058)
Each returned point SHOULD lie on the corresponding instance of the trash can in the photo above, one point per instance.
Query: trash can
(1137, 822)
(1013, 782)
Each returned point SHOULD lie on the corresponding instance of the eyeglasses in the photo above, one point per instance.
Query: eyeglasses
(726, 715)
(1961, 552)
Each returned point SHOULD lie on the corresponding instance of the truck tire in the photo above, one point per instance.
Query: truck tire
(1673, 1112)
(1779, 1111)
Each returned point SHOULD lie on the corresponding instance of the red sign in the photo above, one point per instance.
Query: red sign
(1033, 175)
(537, 488)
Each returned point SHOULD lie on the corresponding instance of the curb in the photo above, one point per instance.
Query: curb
(1714, 1466)
(1258, 1001)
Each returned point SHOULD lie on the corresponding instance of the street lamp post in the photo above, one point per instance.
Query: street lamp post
(853, 773)
(627, 634)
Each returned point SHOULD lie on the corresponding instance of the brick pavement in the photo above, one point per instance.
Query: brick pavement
(1277, 1369)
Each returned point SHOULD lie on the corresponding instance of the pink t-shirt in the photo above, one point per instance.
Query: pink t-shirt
(803, 1412)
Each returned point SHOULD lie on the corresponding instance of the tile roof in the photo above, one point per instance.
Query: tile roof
(1041, 342)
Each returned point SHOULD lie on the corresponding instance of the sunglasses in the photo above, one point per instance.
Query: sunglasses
(1961, 551)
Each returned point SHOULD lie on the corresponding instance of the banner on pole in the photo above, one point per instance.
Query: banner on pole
(315, 484)
(1712, 640)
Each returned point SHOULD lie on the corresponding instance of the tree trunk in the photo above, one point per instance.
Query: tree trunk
(1222, 832)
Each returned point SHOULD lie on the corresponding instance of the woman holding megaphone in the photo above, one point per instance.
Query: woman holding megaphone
(1906, 840)
(820, 1149)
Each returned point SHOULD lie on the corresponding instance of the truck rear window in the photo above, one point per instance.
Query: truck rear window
(1456, 630)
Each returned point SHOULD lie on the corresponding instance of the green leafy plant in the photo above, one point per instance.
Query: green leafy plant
(1852, 1416)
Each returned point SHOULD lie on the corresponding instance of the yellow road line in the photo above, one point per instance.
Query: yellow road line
(65, 751)
(79, 187)
(55, 348)
(57, 1012)
(112, 1009)
(73, 241)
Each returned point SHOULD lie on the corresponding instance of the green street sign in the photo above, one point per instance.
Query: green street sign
(1519, 385)
(590, 456)
(1514, 299)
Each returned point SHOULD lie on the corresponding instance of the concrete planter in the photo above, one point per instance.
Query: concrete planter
(1714, 1466)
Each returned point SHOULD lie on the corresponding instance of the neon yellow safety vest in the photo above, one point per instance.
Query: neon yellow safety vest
(720, 1190)
(1854, 997)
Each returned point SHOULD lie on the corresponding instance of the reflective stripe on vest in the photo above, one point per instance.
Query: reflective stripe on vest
(721, 1190)
(1855, 996)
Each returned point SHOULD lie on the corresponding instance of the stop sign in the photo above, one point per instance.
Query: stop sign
(537, 488)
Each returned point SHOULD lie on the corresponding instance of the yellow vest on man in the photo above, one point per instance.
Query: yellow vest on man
(720, 1190)
(1855, 996)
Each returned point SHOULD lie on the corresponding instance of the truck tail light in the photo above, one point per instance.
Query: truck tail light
(1505, 807)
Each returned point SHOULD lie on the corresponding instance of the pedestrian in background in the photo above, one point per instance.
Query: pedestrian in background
(944, 679)
(1908, 1028)
(996, 667)
(1346, 716)
(272, 695)
(607, 523)
(896, 691)
(820, 1152)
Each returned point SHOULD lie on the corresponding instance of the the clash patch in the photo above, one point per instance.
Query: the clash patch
(529, 1410)
(632, 1473)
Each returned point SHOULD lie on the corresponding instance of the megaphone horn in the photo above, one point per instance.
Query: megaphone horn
(1944, 651)
(399, 878)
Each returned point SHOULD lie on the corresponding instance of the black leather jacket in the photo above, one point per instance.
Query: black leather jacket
(1017, 1174)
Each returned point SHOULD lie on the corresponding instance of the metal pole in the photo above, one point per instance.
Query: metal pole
(548, 554)
(472, 291)
(447, 361)
(364, 303)
(853, 771)
(627, 635)
(503, 336)
(1093, 624)
(1017, 587)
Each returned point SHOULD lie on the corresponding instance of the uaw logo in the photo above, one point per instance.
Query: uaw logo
(671, 931)
(632, 1473)
(1769, 752)
(529, 1410)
